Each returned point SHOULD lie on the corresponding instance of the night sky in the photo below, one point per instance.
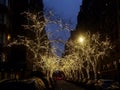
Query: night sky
(67, 10)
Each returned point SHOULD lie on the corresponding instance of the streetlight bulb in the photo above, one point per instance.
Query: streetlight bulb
(81, 39)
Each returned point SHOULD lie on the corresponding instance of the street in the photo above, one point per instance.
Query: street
(63, 85)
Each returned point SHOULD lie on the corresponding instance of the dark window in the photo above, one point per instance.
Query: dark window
(1, 19)
(4, 2)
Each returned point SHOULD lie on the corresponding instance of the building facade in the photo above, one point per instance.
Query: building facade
(13, 62)
(5, 26)
(99, 16)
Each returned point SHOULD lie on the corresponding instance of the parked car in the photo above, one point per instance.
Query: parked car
(103, 84)
(27, 84)
(49, 82)
(90, 85)
(114, 86)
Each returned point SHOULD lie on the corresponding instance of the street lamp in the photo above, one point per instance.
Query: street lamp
(81, 39)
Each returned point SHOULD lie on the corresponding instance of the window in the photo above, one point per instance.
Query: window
(1, 19)
(4, 2)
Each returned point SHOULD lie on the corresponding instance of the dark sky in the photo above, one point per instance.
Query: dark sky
(67, 10)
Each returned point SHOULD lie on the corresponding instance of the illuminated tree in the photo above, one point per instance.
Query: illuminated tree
(88, 54)
(41, 52)
(82, 57)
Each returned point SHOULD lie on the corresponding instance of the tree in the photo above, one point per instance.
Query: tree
(40, 50)
(88, 54)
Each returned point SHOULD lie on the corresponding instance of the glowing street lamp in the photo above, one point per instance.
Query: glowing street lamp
(81, 40)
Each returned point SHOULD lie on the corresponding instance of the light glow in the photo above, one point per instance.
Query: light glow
(81, 39)
(8, 37)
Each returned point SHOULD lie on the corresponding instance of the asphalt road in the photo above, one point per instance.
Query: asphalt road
(63, 85)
